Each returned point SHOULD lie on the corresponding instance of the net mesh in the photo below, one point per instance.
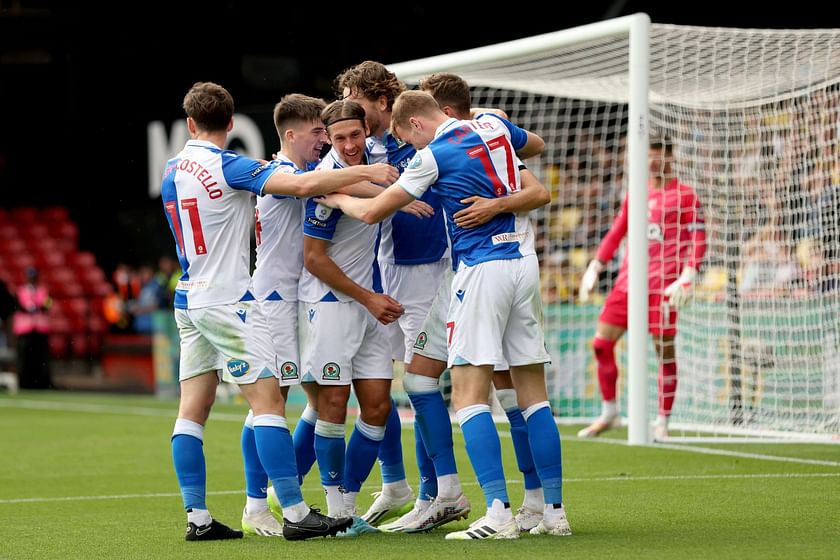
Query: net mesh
(753, 115)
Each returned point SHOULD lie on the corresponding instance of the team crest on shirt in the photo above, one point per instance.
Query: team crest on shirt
(331, 371)
(415, 162)
(289, 370)
(238, 368)
(421, 341)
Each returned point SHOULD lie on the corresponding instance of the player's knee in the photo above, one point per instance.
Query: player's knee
(602, 347)
(375, 411)
(414, 383)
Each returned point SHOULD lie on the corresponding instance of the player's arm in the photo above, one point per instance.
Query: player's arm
(606, 250)
(416, 208)
(383, 307)
(476, 111)
(532, 195)
(305, 185)
(691, 219)
(370, 210)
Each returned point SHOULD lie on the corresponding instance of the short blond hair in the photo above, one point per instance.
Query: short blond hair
(412, 103)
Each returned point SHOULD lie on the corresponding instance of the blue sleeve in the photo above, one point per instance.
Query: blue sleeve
(320, 221)
(244, 173)
(518, 136)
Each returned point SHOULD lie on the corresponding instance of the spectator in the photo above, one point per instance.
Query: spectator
(31, 327)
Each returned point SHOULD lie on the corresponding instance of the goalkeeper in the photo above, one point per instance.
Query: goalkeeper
(676, 244)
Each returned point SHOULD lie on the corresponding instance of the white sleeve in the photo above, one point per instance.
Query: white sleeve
(420, 173)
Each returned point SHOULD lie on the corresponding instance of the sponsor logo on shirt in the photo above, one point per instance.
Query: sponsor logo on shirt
(322, 212)
(511, 237)
(192, 284)
(260, 169)
(238, 368)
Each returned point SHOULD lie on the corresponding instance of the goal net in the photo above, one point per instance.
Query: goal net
(753, 117)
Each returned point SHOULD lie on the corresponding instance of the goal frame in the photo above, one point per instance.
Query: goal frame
(637, 27)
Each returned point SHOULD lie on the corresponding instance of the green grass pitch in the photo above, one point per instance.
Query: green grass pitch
(90, 476)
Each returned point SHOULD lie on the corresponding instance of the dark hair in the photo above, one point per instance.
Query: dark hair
(209, 105)
(448, 89)
(296, 108)
(370, 79)
(342, 110)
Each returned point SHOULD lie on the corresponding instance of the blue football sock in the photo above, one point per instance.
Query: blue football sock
(390, 450)
(188, 457)
(522, 448)
(361, 454)
(484, 450)
(428, 478)
(274, 445)
(304, 442)
(545, 448)
(436, 428)
(256, 479)
(329, 448)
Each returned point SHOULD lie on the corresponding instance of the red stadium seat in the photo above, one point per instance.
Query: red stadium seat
(12, 245)
(8, 231)
(55, 215)
(33, 231)
(83, 260)
(25, 215)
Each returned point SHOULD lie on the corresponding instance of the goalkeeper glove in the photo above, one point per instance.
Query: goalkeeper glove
(590, 278)
(678, 292)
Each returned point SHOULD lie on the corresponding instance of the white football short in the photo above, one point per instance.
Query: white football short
(415, 287)
(495, 314)
(282, 317)
(232, 338)
(431, 342)
(340, 342)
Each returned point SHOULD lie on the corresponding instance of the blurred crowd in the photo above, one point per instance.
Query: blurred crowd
(138, 293)
(769, 182)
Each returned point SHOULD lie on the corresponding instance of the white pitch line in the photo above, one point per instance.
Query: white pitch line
(145, 411)
(512, 482)
(109, 409)
(722, 452)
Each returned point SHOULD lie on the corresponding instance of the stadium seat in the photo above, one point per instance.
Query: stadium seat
(33, 231)
(8, 231)
(24, 215)
(10, 245)
(55, 215)
(83, 260)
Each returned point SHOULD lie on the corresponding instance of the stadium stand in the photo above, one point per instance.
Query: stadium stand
(47, 238)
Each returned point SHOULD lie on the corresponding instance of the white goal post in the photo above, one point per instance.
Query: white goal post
(754, 117)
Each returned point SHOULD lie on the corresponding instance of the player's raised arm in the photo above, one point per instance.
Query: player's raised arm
(533, 147)
(306, 185)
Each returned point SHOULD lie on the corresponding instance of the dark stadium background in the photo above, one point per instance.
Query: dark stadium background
(78, 84)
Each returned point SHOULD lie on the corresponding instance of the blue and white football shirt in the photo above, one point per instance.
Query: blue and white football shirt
(279, 242)
(208, 199)
(407, 239)
(353, 246)
(469, 158)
